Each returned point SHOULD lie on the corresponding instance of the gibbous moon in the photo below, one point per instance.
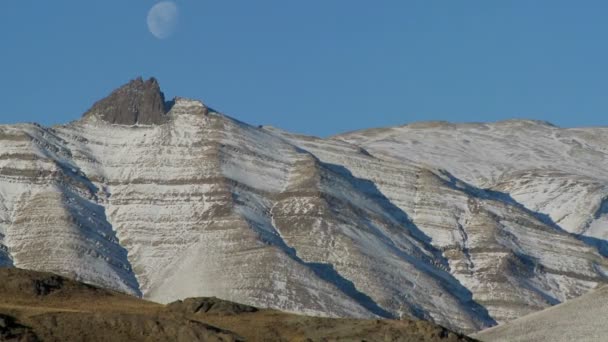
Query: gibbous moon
(162, 19)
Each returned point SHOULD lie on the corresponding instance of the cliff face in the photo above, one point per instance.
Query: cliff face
(137, 102)
(190, 203)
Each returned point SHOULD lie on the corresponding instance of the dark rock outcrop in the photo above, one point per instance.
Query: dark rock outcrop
(137, 102)
(10, 330)
(211, 306)
(48, 285)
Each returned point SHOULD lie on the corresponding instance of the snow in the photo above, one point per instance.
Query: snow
(437, 221)
(561, 173)
(580, 319)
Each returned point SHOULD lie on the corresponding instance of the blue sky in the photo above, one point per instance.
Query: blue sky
(317, 66)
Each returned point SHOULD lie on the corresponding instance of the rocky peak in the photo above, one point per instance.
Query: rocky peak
(137, 102)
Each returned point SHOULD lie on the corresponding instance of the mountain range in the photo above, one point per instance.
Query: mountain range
(464, 225)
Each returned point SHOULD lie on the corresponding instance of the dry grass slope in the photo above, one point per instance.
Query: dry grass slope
(38, 306)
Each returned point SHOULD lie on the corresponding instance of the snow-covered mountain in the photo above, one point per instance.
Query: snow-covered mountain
(464, 225)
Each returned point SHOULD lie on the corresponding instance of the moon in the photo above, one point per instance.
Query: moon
(162, 19)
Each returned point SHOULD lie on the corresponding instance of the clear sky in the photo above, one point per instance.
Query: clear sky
(316, 66)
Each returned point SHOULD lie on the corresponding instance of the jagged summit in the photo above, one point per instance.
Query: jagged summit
(137, 102)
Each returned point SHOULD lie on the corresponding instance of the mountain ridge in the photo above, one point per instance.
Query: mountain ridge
(359, 225)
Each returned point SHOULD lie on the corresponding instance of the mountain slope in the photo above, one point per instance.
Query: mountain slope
(176, 200)
(234, 239)
(510, 258)
(561, 173)
(580, 319)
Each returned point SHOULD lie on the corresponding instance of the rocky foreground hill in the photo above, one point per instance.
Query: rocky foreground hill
(464, 225)
(38, 306)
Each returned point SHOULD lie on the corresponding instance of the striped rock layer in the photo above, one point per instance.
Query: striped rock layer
(463, 225)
